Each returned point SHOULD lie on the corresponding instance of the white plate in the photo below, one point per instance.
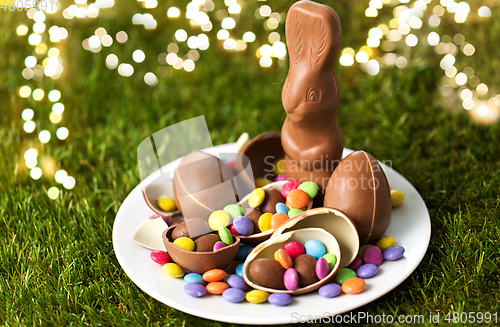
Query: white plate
(410, 225)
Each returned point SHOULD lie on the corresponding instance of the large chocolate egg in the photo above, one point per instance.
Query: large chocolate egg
(359, 188)
(206, 242)
(202, 184)
(305, 266)
(267, 272)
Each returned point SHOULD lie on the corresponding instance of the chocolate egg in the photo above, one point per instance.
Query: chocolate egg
(262, 151)
(191, 226)
(199, 262)
(332, 221)
(202, 184)
(305, 266)
(257, 238)
(268, 273)
(205, 243)
(359, 188)
(253, 215)
(267, 249)
(273, 196)
(180, 231)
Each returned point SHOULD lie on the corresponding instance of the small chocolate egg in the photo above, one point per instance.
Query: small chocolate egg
(180, 231)
(359, 188)
(206, 242)
(269, 273)
(305, 265)
(273, 196)
(253, 215)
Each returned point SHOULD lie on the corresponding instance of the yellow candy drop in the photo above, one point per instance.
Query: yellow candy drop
(219, 218)
(256, 198)
(185, 243)
(386, 242)
(166, 203)
(279, 167)
(257, 296)
(260, 182)
(397, 197)
(173, 269)
(265, 222)
(276, 255)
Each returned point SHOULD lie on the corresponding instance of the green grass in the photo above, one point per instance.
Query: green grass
(57, 262)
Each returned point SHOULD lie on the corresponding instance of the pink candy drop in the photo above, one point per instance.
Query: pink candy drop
(280, 177)
(218, 245)
(291, 279)
(160, 257)
(294, 249)
(322, 268)
(288, 186)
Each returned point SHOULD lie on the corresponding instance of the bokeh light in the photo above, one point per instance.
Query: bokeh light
(53, 193)
(62, 133)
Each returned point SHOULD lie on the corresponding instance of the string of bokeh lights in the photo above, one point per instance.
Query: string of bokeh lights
(403, 31)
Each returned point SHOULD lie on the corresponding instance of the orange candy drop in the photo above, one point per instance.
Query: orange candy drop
(353, 285)
(284, 259)
(214, 275)
(278, 219)
(297, 199)
(217, 287)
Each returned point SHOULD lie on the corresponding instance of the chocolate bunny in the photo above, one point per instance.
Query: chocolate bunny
(311, 135)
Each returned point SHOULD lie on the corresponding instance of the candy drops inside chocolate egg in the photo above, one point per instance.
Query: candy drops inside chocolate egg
(334, 222)
(271, 190)
(258, 270)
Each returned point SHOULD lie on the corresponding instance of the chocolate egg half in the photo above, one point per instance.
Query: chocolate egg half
(359, 188)
(266, 250)
(200, 262)
(202, 184)
(262, 151)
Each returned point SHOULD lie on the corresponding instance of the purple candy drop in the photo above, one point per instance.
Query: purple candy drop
(394, 253)
(234, 295)
(280, 299)
(367, 270)
(330, 290)
(243, 225)
(236, 281)
(195, 289)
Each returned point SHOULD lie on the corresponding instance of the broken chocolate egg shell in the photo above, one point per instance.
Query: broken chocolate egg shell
(267, 249)
(334, 222)
(359, 188)
(202, 184)
(151, 194)
(262, 151)
(200, 262)
(257, 238)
